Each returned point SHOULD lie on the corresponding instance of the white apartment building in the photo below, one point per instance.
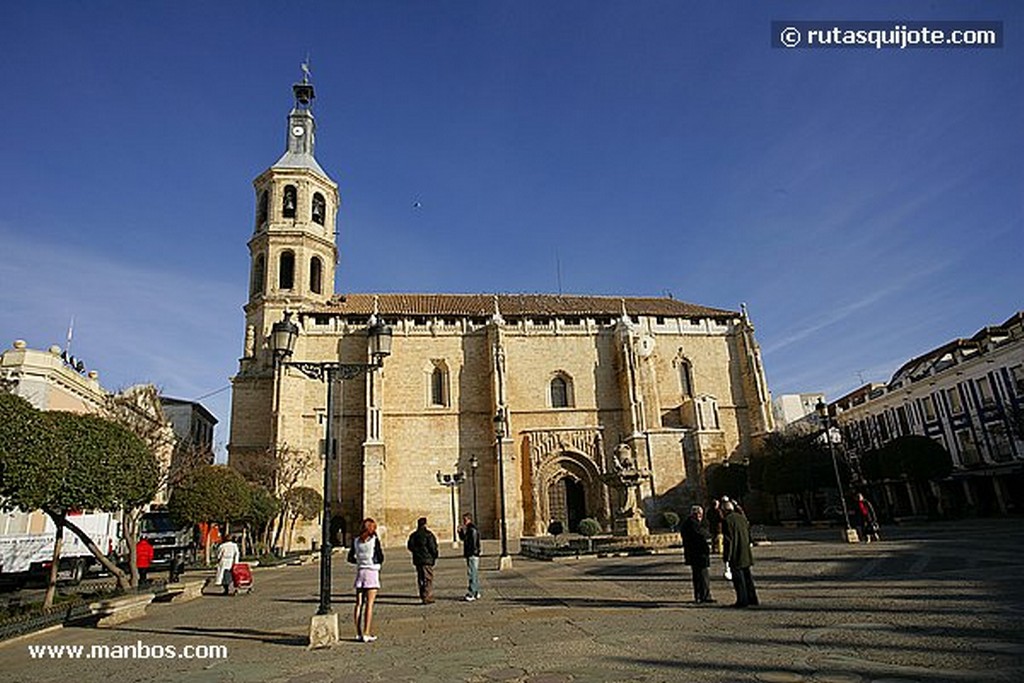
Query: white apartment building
(968, 395)
(789, 409)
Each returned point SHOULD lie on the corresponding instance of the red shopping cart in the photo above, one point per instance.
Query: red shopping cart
(241, 575)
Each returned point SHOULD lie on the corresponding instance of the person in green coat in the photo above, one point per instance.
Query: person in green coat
(736, 538)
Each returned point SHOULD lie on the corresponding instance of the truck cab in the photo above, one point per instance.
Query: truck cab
(168, 538)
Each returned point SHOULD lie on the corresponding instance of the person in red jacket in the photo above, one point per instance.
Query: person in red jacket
(143, 559)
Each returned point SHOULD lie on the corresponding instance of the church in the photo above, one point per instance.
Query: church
(527, 403)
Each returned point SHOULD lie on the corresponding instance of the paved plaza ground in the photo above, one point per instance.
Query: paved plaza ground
(936, 602)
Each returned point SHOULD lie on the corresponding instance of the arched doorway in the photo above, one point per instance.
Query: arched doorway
(567, 502)
(566, 486)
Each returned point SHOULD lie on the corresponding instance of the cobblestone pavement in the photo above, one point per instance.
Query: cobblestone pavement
(930, 603)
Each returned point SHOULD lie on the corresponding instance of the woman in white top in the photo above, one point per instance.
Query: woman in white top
(366, 553)
(227, 557)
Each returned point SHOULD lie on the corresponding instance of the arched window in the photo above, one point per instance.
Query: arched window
(316, 275)
(561, 391)
(291, 200)
(439, 384)
(286, 271)
(685, 378)
(259, 275)
(262, 208)
(319, 211)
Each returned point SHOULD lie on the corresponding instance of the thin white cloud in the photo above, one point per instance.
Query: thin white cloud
(133, 324)
(842, 312)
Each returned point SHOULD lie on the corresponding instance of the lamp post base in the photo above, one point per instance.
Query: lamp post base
(323, 630)
(504, 562)
(851, 536)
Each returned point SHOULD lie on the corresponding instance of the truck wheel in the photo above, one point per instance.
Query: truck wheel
(77, 572)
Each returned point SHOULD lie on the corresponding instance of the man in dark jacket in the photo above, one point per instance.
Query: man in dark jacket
(471, 551)
(736, 537)
(423, 546)
(697, 553)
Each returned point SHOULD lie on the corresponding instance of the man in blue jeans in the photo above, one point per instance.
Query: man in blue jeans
(471, 551)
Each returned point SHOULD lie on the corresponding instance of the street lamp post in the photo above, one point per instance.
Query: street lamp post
(505, 561)
(324, 629)
(474, 462)
(826, 421)
(451, 482)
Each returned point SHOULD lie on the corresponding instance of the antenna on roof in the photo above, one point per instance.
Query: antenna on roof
(558, 271)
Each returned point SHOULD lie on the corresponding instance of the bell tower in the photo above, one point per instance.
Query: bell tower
(292, 250)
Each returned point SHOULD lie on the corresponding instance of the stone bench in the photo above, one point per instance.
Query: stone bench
(119, 610)
(182, 591)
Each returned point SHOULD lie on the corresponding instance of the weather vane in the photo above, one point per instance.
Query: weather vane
(305, 70)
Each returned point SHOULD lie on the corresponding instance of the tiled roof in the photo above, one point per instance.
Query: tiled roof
(293, 160)
(476, 305)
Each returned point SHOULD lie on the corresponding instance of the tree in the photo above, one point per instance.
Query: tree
(138, 409)
(21, 436)
(872, 465)
(301, 502)
(279, 470)
(66, 462)
(263, 509)
(923, 459)
(727, 479)
(211, 494)
(793, 463)
(911, 457)
(918, 458)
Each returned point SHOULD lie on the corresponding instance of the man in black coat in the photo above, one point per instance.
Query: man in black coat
(714, 518)
(736, 533)
(697, 553)
(423, 546)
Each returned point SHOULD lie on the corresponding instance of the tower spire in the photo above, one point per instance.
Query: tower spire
(301, 126)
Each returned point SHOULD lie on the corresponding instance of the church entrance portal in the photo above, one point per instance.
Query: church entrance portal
(567, 501)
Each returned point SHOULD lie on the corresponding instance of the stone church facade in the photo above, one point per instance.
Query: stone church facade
(575, 382)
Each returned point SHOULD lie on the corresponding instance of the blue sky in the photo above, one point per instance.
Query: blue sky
(866, 205)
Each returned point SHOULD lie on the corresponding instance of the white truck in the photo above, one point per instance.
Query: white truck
(29, 555)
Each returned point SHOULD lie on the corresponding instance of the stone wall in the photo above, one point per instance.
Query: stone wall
(394, 479)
